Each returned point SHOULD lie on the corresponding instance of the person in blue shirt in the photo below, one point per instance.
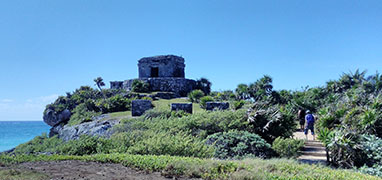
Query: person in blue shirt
(309, 124)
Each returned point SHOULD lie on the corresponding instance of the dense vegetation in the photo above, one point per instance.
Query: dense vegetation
(259, 124)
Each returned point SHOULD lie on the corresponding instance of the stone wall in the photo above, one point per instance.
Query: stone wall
(180, 86)
(217, 105)
(166, 66)
(186, 107)
(139, 107)
(116, 84)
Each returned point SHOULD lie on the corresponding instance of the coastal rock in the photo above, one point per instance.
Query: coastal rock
(94, 128)
(55, 130)
(52, 118)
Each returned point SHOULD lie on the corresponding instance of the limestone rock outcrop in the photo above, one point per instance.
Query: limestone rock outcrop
(52, 118)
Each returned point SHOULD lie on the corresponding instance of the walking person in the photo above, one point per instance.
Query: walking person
(301, 118)
(309, 124)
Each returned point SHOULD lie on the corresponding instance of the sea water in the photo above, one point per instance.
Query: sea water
(13, 133)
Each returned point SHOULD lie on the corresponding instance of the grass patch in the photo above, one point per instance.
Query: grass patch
(120, 114)
(166, 104)
(173, 166)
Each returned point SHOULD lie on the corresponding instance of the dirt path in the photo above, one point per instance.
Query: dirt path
(86, 170)
(313, 151)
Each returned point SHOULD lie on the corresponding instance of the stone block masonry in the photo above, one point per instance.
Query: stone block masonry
(139, 107)
(186, 107)
(217, 105)
(164, 73)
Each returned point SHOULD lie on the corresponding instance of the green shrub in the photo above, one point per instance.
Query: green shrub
(140, 86)
(371, 146)
(287, 147)
(179, 144)
(195, 95)
(115, 103)
(39, 144)
(271, 121)
(238, 104)
(82, 114)
(208, 123)
(224, 96)
(204, 100)
(238, 144)
(85, 145)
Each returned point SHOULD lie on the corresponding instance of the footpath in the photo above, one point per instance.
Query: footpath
(313, 151)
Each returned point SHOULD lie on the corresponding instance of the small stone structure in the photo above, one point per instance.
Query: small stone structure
(139, 107)
(161, 66)
(217, 105)
(186, 107)
(163, 73)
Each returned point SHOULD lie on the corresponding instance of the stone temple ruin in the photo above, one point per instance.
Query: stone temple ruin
(164, 74)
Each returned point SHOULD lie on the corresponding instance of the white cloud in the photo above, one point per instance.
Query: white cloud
(6, 100)
(49, 99)
(30, 109)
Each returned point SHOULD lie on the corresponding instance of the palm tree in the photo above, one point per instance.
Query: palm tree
(242, 91)
(99, 83)
(261, 88)
(358, 77)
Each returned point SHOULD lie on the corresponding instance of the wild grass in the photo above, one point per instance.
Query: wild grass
(120, 114)
(173, 166)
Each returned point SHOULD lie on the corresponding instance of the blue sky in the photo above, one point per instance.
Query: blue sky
(50, 47)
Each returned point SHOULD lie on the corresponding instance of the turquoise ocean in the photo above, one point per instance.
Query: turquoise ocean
(13, 133)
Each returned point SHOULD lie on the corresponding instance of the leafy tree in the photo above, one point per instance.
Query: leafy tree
(204, 85)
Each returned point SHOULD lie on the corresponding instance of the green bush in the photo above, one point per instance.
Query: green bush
(371, 146)
(208, 123)
(195, 95)
(140, 86)
(82, 114)
(271, 121)
(39, 144)
(85, 145)
(239, 144)
(238, 104)
(287, 147)
(179, 144)
(204, 100)
(115, 103)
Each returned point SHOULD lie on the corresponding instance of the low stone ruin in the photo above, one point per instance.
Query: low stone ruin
(186, 107)
(210, 106)
(139, 107)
